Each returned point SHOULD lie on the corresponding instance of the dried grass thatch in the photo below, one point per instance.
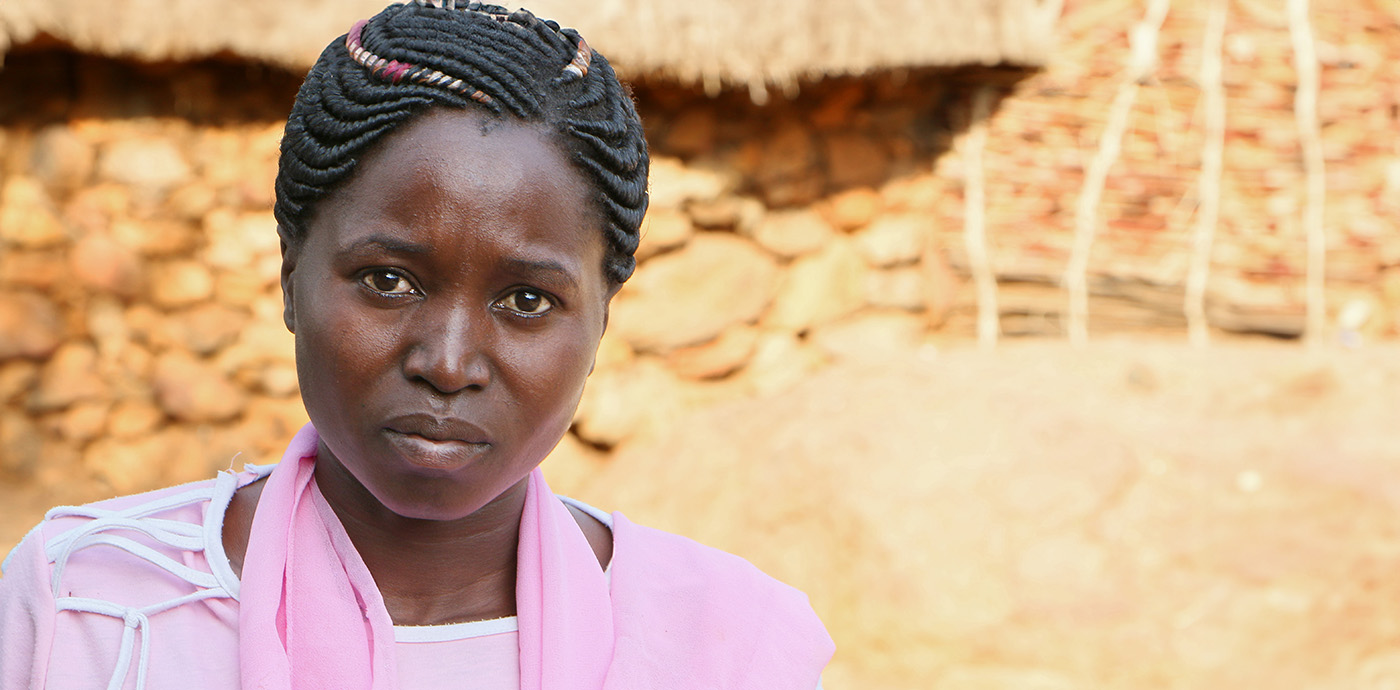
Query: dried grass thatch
(713, 42)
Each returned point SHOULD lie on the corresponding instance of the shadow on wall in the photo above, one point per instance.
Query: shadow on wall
(824, 137)
(57, 87)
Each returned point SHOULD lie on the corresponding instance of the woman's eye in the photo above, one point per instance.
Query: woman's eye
(527, 302)
(387, 282)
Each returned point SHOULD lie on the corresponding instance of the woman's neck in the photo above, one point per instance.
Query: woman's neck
(427, 573)
(431, 572)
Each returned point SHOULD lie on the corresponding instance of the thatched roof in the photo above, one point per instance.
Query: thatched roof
(692, 41)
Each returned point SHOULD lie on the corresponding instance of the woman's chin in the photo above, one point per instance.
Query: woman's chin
(440, 501)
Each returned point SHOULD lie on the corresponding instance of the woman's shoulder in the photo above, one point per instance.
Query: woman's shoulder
(694, 591)
(174, 530)
(87, 577)
(659, 548)
(140, 513)
(675, 565)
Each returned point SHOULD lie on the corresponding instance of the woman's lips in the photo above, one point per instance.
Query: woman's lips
(437, 428)
(436, 443)
(433, 454)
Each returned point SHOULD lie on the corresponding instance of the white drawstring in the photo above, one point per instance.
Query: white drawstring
(182, 536)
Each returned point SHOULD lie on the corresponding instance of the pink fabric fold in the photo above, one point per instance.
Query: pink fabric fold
(677, 614)
(310, 615)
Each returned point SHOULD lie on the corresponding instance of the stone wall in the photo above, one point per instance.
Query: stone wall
(141, 316)
(780, 237)
(140, 332)
(140, 341)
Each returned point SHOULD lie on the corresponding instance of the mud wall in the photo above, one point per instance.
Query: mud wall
(140, 332)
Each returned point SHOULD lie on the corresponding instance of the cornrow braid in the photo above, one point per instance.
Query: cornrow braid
(415, 56)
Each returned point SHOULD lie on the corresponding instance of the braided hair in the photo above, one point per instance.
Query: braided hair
(414, 56)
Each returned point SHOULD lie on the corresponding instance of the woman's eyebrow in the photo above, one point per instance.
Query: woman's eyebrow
(386, 243)
(542, 266)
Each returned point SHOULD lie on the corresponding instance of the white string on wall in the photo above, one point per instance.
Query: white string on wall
(1141, 64)
(1310, 140)
(974, 220)
(1212, 168)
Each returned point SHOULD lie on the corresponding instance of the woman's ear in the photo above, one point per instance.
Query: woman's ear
(289, 267)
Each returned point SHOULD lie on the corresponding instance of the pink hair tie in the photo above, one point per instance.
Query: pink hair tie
(394, 71)
(582, 59)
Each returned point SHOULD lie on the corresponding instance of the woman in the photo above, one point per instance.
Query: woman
(459, 196)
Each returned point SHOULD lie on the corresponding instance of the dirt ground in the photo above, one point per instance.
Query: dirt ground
(1131, 515)
(1128, 515)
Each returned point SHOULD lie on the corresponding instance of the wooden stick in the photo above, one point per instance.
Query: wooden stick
(974, 220)
(1310, 139)
(1208, 183)
(1142, 61)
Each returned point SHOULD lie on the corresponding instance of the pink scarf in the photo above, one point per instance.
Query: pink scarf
(677, 614)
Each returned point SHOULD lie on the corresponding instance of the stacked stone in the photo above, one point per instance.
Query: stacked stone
(140, 333)
(141, 340)
(780, 238)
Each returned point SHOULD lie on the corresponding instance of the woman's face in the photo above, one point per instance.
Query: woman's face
(447, 303)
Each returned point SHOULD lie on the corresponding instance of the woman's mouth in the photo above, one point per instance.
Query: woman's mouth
(436, 443)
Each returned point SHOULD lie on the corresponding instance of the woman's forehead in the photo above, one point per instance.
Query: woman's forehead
(468, 147)
(445, 174)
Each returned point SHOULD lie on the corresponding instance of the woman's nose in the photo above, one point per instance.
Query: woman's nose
(448, 351)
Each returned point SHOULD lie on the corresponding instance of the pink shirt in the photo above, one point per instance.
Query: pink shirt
(137, 592)
(483, 654)
(144, 586)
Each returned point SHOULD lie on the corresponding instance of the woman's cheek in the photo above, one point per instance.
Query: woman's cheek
(549, 369)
